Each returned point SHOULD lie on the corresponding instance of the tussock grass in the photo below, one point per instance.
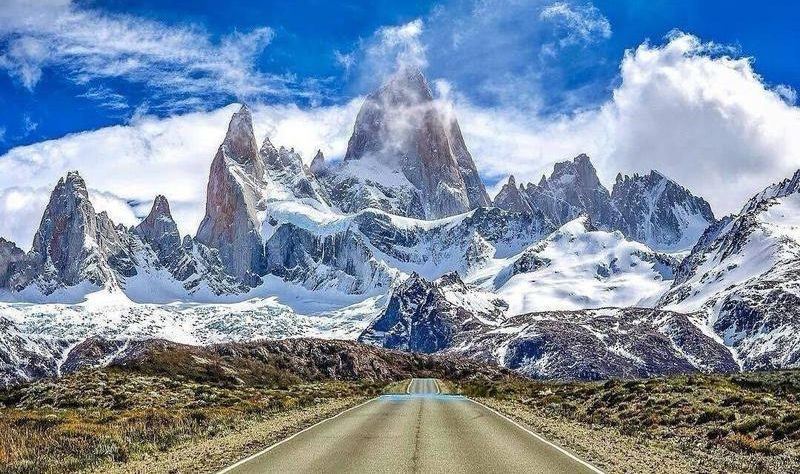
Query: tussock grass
(751, 414)
(100, 416)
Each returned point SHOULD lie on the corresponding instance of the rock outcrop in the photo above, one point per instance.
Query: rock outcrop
(659, 212)
(511, 198)
(318, 165)
(288, 178)
(10, 257)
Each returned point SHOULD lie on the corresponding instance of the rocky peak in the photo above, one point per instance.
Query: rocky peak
(74, 244)
(406, 87)
(400, 128)
(288, 176)
(233, 200)
(240, 141)
(68, 225)
(784, 188)
(267, 148)
(318, 163)
(281, 159)
(580, 172)
(159, 228)
(511, 198)
(573, 188)
(659, 212)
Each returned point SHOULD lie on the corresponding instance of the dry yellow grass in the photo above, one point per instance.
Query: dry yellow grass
(95, 418)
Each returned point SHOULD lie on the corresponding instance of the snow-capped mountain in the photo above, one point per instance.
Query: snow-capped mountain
(398, 245)
(651, 209)
(448, 316)
(579, 266)
(744, 277)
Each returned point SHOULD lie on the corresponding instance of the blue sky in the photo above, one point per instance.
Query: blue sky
(306, 36)
(136, 95)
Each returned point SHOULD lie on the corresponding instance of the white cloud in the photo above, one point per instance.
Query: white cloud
(127, 166)
(392, 48)
(704, 119)
(87, 44)
(787, 93)
(346, 60)
(21, 210)
(29, 125)
(106, 98)
(581, 24)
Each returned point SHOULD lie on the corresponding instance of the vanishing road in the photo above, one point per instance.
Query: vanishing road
(421, 431)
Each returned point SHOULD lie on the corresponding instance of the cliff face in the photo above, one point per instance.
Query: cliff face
(233, 199)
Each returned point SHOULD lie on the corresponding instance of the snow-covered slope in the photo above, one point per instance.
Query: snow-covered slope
(577, 267)
(744, 275)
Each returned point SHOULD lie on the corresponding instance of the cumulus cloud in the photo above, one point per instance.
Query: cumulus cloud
(705, 119)
(126, 166)
(87, 44)
(690, 109)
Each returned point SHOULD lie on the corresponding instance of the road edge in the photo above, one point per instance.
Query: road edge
(275, 445)
(540, 437)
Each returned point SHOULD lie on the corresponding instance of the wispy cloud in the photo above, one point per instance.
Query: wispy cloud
(787, 93)
(579, 24)
(106, 98)
(345, 60)
(28, 125)
(171, 61)
(493, 49)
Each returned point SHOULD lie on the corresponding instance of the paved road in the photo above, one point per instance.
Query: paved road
(420, 432)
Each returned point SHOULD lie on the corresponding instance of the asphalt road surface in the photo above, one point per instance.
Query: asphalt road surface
(422, 431)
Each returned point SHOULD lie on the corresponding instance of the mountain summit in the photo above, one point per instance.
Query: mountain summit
(406, 156)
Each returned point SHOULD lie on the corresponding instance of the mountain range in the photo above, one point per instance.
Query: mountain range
(399, 245)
